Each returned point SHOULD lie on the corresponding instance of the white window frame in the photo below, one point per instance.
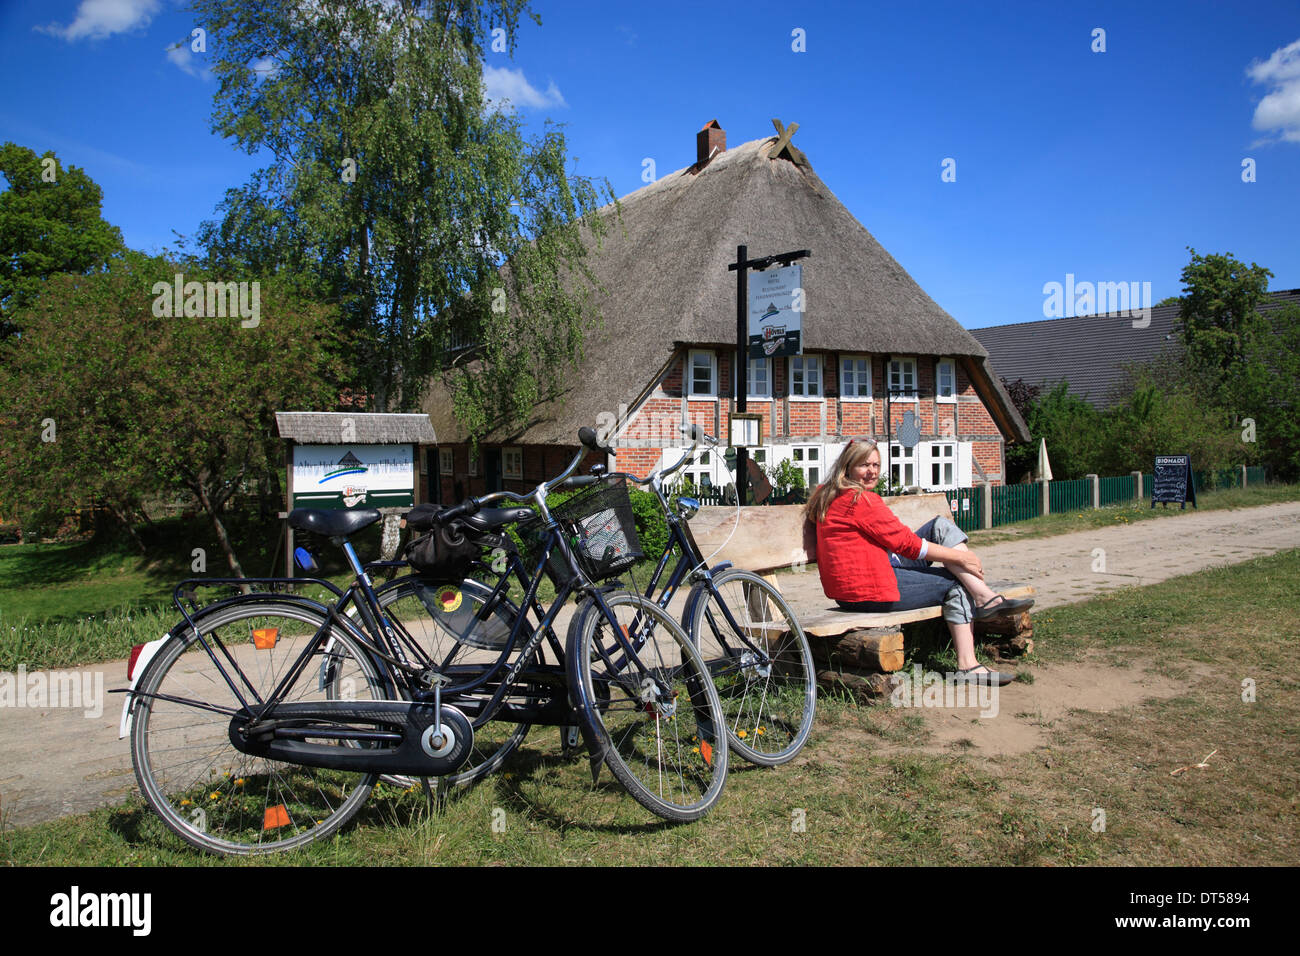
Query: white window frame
(766, 365)
(712, 393)
(806, 362)
(446, 462)
(807, 463)
(894, 394)
(951, 366)
(901, 461)
(512, 463)
(854, 396)
(473, 463)
(934, 455)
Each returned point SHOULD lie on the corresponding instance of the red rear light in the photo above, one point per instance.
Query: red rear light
(130, 661)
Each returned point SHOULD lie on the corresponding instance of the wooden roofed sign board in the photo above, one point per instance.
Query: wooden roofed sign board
(353, 476)
(776, 312)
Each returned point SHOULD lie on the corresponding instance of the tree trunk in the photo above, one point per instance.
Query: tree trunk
(222, 538)
(125, 521)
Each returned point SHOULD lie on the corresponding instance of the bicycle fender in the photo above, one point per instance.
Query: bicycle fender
(146, 655)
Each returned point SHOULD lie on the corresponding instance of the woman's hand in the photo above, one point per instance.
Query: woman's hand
(971, 563)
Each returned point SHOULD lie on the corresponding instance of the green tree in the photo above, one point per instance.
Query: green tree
(49, 223)
(1074, 430)
(1218, 316)
(1266, 412)
(420, 209)
(1167, 409)
(113, 401)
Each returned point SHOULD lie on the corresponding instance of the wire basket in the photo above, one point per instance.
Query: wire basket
(601, 528)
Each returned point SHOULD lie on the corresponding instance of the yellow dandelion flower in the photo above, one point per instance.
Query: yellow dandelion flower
(760, 731)
(240, 781)
(213, 795)
(185, 803)
(742, 734)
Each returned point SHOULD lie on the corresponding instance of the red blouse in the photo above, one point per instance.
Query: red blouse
(853, 546)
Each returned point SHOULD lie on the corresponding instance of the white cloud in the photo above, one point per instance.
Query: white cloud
(1280, 108)
(97, 19)
(182, 56)
(505, 85)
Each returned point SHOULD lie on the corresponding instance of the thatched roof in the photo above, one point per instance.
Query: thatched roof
(664, 267)
(365, 428)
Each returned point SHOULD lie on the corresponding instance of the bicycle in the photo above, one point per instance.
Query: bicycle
(262, 722)
(756, 651)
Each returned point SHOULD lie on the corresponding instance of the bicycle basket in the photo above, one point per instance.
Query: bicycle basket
(601, 527)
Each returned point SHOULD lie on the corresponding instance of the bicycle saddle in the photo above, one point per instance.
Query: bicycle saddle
(489, 519)
(335, 524)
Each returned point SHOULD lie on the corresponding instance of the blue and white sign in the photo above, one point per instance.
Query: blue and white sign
(776, 306)
(352, 476)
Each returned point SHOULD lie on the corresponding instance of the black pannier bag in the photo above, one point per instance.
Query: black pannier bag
(441, 552)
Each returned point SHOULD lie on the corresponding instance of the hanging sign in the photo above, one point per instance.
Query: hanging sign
(776, 303)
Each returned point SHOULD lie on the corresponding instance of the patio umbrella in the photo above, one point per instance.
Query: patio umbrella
(1044, 466)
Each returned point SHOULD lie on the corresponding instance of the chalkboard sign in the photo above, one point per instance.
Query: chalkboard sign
(1173, 481)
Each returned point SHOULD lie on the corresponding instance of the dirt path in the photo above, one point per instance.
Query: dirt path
(60, 760)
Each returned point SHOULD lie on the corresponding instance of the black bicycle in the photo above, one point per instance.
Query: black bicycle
(755, 649)
(261, 722)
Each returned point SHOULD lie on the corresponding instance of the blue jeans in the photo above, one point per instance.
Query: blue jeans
(920, 585)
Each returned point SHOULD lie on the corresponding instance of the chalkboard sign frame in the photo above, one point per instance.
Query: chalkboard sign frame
(1172, 481)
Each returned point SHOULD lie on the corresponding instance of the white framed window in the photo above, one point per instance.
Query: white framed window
(808, 459)
(445, 466)
(902, 465)
(855, 378)
(702, 374)
(700, 473)
(945, 380)
(941, 465)
(473, 462)
(760, 378)
(512, 463)
(759, 456)
(902, 379)
(805, 376)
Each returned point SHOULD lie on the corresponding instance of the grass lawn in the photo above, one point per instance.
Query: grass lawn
(864, 792)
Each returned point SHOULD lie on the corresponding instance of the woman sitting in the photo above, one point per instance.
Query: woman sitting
(869, 560)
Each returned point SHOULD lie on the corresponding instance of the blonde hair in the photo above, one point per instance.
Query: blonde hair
(838, 481)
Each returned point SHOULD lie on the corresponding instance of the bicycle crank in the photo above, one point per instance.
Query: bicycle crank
(378, 736)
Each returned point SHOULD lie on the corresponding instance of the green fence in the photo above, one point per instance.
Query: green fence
(1113, 490)
(1069, 495)
(1255, 475)
(968, 507)
(1015, 503)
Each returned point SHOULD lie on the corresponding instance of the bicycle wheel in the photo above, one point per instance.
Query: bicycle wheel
(761, 664)
(205, 790)
(655, 715)
(442, 618)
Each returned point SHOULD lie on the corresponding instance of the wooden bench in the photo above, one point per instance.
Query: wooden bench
(854, 650)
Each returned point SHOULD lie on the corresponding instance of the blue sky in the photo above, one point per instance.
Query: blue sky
(1104, 165)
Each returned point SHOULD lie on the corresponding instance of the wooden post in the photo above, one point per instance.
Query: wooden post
(986, 505)
(1137, 485)
(1095, 483)
(1045, 497)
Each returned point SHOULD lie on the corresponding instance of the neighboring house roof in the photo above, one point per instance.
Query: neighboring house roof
(664, 266)
(355, 428)
(1091, 351)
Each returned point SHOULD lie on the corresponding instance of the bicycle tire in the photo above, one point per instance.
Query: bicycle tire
(207, 792)
(769, 706)
(681, 774)
(407, 599)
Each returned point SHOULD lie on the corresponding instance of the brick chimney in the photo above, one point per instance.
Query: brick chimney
(709, 141)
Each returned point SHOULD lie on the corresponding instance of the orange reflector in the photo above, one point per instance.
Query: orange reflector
(264, 638)
(706, 752)
(276, 816)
